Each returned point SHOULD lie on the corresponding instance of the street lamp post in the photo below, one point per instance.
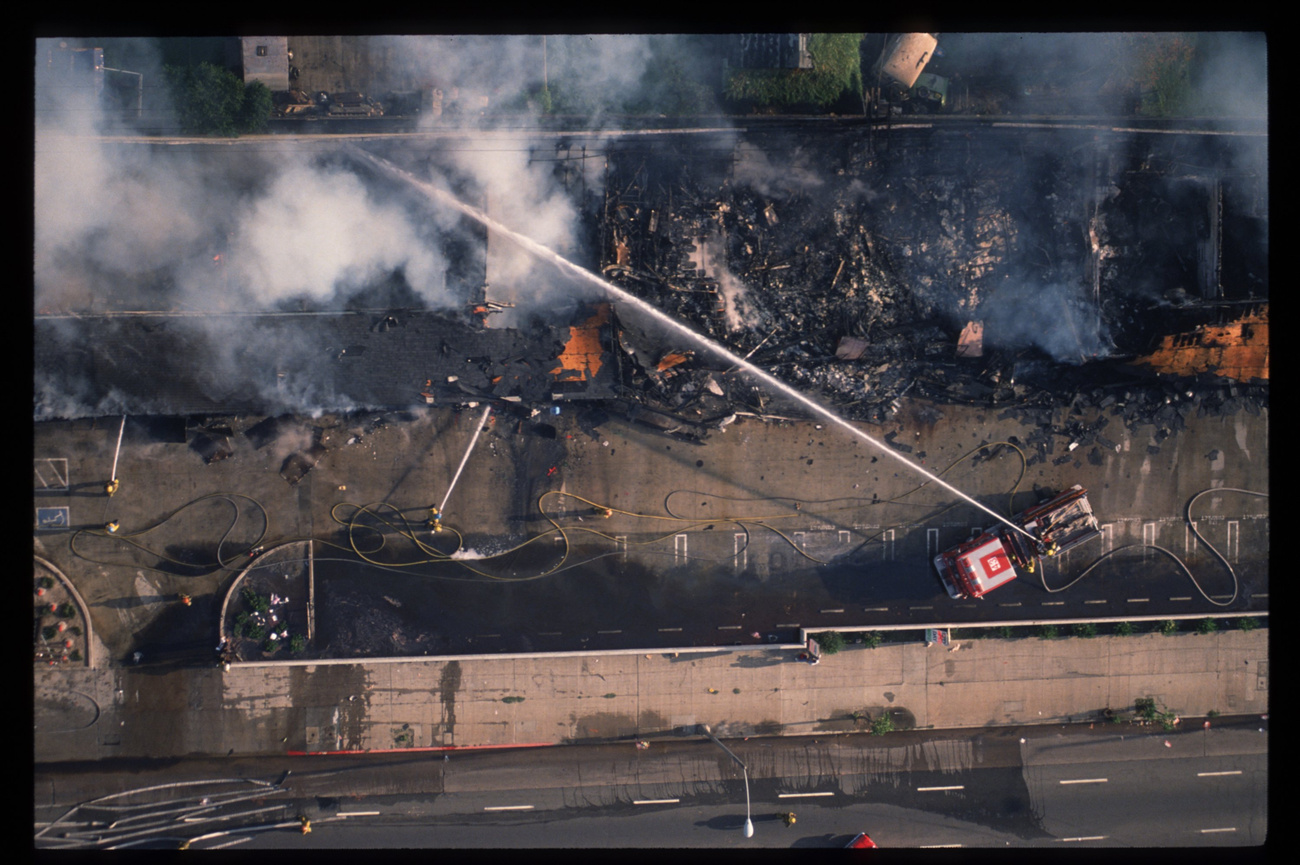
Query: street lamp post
(749, 823)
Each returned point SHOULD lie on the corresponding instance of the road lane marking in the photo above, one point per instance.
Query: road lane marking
(1224, 829)
(729, 627)
(1085, 838)
(358, 814)
(1215, 774)
(609, 632)
(796, 624)
(802, 795)
(655, 801)
(875, 609)
(1139, 600)
(1187, 598)
(1016, 604)
(832, 611)
(1053, 603)
(1094, 602)
(920, 608)
(936, 789)
(662, 630)
(936, 846)
(1086, 781)
(508, 808)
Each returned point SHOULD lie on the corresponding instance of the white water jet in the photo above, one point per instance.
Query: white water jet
(704, 342)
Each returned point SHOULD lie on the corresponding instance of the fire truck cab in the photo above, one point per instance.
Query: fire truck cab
(976, 567)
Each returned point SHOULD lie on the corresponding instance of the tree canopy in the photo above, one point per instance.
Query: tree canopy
(210, 100)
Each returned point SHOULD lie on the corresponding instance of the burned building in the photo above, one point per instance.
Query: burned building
(1000, 266)
(323, 362)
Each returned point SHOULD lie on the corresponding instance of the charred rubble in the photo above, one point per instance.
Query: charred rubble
(1002, 271)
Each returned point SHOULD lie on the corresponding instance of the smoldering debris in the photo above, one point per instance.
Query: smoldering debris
(992, 270)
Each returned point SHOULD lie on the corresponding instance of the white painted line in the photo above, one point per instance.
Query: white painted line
(549, 633)
(1224, 829)
(729, 627)
(875, 609)
(609, 632)
(832, 611)
(358, 814)
(936, 846)
(1094, 602)
(1188, 598)
(1139, 600)
(1216, 774)
(796, 624)
(1261, 594)
(1087, 781)
(920, 608)
(655, 801)
(803, 795)
(661, 630)
(937, 789)
(1085, 838)
(1053, 603)
(1016, 604)
(508, 808)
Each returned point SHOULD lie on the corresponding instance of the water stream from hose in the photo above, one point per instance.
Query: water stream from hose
(546, 254)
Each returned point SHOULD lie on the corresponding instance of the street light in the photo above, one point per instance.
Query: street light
(749, 823)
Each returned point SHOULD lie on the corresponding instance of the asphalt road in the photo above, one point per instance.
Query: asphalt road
(1118, 786)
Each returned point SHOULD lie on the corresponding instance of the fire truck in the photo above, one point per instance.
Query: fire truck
(976, 567)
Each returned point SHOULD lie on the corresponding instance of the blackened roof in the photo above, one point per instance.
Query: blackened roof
(163, 364)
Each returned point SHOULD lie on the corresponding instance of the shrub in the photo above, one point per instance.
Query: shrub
(882, 725)
(1247, 623)
(297, 644)
(1047, 632)
(1207, 626)
(260, 603)
(1168, 627)
(830, 641)
(1006, 632)
(1124, 629)
(67, 610)
(1085, 629)
(75, 655)
(45, 583)
(872, 639)
(270, 646)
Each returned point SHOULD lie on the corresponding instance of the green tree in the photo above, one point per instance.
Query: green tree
(210, 100)
(830, 641)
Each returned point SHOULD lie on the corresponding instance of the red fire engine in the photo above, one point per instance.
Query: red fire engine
(976, 567)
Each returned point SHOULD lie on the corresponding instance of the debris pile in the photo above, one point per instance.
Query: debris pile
(986, 269)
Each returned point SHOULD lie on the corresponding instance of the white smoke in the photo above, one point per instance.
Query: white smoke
(317, 230)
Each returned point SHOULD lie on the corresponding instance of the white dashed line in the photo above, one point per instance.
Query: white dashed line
(1087, 781)
(508, 808)
(938, 789)
(1216, 774)
(802, 795)
(655, 801)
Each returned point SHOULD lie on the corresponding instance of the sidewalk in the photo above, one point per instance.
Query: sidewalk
(482, 701)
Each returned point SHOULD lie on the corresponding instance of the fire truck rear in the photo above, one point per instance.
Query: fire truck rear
(976, 567)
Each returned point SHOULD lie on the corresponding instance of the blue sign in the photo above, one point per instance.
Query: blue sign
(52, 518)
